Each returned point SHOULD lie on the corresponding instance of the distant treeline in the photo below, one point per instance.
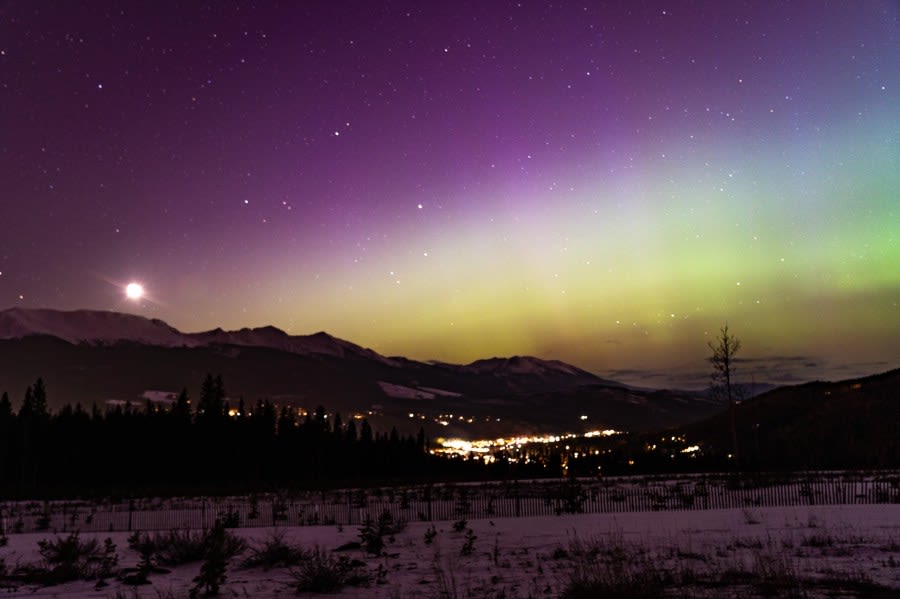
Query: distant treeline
(200, 448)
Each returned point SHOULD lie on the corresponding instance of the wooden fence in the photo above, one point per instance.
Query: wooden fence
(456, 502)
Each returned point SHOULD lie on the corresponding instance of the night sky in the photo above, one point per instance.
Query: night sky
(605, 183)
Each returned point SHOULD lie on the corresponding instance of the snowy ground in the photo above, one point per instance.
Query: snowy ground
(816, 550)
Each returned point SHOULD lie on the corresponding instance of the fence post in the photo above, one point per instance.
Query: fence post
(130, 512)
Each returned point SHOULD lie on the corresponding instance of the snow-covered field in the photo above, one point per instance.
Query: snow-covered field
(843, 550)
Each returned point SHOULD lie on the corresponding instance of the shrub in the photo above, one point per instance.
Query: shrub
(388, 525)
(469, 544)
(323, 573)
(274, 552)
(279, 510)
(372, 533)
(430, 534)
(612, 572)
(176, 547)
(460, 525)
(750, 517)
(463, 505)
(171, 548)
(559, 553)
(231, 519)
(573, 497)
(818, 541)
(254, 508)
(616, 583)
(70, 558)
(776, 575)
(43, 522)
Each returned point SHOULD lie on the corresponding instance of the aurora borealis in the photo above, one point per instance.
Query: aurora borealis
(601, 183)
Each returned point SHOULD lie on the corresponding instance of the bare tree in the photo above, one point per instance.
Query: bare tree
(724, 387)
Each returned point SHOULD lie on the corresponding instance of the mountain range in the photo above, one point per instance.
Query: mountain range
(91, 357)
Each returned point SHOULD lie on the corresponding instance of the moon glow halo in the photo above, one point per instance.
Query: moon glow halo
(134, 291)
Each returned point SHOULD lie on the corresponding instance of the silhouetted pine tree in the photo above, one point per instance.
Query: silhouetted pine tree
(365, 433)
(33, 419)
(7, 423)
(420, 441)
(39, 398)
(212, 398)
(182, 408)
(351, 434)
(130, 448)
(27, 409)
(67, 440)
(287, 464)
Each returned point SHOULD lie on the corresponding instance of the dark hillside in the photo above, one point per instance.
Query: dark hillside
(848, 424)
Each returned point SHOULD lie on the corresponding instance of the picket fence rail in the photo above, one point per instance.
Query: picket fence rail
(449, 502)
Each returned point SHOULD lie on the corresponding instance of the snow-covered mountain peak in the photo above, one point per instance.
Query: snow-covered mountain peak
(99, 327)
(523, 365)
(89, 326)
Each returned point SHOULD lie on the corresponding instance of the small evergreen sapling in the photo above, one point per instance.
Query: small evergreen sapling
(430, 534)
(372, 537)
(220, 547)
(146, 548)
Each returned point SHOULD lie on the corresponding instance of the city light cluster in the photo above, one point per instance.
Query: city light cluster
(482, 447)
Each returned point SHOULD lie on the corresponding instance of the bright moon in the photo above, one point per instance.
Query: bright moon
(134, 291)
